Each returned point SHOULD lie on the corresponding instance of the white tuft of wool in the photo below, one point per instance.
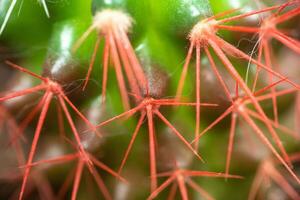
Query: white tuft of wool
(109, 19)
(201, 31)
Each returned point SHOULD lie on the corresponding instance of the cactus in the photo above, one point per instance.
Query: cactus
(127, 99)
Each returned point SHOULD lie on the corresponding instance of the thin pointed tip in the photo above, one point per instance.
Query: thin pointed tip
(198, 156)
(21, 195)
(84, 86)
(46, 8)
(48, 14)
